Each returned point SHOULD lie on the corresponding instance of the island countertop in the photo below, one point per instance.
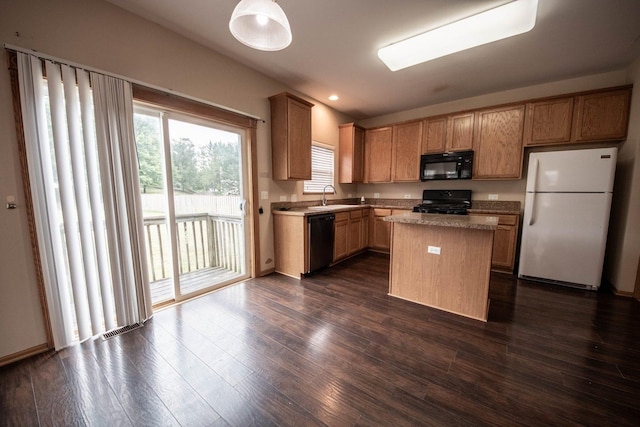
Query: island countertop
(439, 220)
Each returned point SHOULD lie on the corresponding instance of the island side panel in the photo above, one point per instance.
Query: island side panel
(290, 236)
(457, 280)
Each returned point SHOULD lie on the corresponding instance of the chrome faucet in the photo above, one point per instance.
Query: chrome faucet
(324, 197)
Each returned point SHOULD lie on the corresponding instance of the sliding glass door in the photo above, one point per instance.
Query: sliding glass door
(192, 179)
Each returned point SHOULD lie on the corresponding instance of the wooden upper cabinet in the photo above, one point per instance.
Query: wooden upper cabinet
(601, 116)
(406, 149)
(497, 143)
(448, 133)
(434, 135)
(377, 145)
(290, 137)
(548, 122)
(460, 132)
(351, 154)
(497, 135)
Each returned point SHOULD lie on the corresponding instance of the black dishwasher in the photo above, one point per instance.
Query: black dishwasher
(320, 238)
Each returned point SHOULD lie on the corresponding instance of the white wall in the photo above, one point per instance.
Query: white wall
(21, 323)
(623, 247)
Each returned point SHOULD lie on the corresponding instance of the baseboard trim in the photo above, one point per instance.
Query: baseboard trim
(11, 358)
(608, 285)
(266, 272)
(626, 294)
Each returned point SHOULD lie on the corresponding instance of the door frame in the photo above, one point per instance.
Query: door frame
(178, 104)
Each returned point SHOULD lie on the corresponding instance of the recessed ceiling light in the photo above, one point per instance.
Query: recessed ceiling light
(334, 98)
(499, 23)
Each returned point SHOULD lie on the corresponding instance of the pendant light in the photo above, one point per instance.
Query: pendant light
(260, 24)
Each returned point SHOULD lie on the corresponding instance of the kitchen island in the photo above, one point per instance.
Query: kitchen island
(442, 261)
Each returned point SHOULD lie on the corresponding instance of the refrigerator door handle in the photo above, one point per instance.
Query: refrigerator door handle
(534, 179)
(532, 208)
(534, 175)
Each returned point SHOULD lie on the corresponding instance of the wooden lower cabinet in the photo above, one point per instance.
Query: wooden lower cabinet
(505, 240)
(290, 241)
(355, 230)
(351, 230)
(380, 232)
(341, 236)
(364, 236)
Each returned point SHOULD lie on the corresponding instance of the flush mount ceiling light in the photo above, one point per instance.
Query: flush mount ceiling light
(260, 24)
(333, 97)
(499, 23)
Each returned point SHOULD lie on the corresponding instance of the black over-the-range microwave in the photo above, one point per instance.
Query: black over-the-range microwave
(451, 165)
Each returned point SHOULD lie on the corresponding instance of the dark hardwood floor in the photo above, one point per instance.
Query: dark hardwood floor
(334, 349)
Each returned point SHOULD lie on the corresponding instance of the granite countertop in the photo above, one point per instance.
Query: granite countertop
(316, 210)
(438, 220)
(307, 208)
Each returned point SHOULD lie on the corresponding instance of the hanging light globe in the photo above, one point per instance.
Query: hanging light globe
(260, 24)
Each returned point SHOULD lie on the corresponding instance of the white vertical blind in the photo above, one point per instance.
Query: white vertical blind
(74, 185)
(113, 104)
(61, 142)
(95, 196)
(47, 217)
(322, 161)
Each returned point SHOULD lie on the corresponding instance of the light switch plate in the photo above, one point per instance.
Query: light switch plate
(434, 250)
(294, 197)
(493, 197)
(376, 195)
(264, 195)
(283, 198)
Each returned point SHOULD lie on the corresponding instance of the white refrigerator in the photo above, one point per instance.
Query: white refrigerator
(566, 216)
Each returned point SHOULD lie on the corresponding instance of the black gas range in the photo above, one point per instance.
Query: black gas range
(454, 202)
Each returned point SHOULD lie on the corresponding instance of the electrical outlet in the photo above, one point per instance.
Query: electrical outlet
(294, 197)
(264, 195)
(283, 198)
(376, 195)
(433, 250)
(407, 196)
(493, 197)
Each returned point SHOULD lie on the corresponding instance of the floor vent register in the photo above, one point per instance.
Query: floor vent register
(122, 330)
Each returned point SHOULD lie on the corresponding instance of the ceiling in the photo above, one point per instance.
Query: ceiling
(335, 44)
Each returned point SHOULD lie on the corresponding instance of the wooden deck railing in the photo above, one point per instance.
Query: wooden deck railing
(204, 241)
